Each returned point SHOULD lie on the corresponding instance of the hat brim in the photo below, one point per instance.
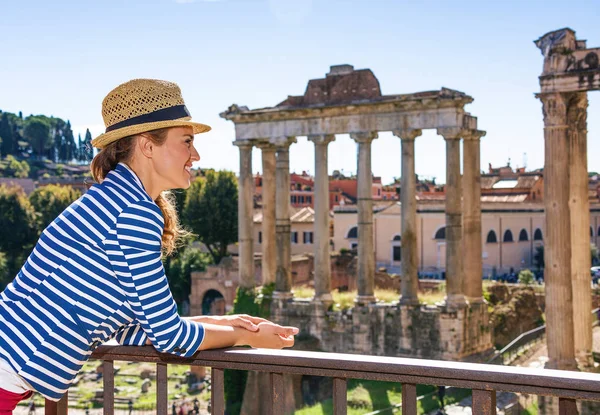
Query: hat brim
(105, 139)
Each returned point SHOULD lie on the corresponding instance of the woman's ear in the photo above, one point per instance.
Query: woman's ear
(145, 145)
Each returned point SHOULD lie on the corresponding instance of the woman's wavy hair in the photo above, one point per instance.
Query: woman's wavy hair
(122, 151)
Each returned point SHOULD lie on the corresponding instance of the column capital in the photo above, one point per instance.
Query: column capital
(321, 138)
(554, 108)
(451, 133)
(243, 144)
(265, 145)
(364, 137)
(282, 141)
(407, 133)
(473, 134)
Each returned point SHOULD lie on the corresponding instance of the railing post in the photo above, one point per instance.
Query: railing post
(277, 394)
(57, 408)
(409, 399)
(108, 385)
(484, 402)
(217, 391)
(162, 387)
(340, 397)
(567, 406)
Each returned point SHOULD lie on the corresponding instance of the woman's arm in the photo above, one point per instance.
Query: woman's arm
(268, 335)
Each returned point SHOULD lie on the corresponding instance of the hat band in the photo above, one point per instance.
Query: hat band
(165, 114)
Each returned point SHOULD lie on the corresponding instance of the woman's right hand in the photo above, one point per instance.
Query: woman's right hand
(270, 336)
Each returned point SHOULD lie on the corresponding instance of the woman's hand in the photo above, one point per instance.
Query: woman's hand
(243, 321)
(270, 336)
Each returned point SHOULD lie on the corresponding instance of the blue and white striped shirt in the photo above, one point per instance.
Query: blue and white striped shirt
(94, 274)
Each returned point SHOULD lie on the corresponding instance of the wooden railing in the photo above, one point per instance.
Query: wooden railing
(484, 380)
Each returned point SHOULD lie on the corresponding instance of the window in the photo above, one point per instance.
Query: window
(523, 235)
(440, 234)
(591, 232)
(307, 237)
(353, 233)
(354, 245)
(308, 199)
(491, 237)
(301, 199)
(293, 199)
(336, 198)
(294, 237)
(397, 238)
(397, 253)
(260, 237)
(537, 235)
(508, 236)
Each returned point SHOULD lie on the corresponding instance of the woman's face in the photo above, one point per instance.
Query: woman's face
(173, 160)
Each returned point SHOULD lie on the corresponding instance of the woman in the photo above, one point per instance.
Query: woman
(96, 271)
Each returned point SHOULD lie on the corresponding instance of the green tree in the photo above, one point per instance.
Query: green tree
(18, 232)
(179, 268)
(37, 132)
(210, 211)
(49, 202)
(526, 277)
(5, 276)
(88, 150)
(16, 168)
(6, 133)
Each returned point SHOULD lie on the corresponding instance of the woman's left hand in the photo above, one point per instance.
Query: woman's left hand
(244, 321)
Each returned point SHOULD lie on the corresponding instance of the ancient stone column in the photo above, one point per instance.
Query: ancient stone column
(557, 243)
(269, 252)
(321, 224)
(408, 201)
(579, 208)
(283, 274)
(366, 251)
(471, 187)
(455, 297)
(245, 215)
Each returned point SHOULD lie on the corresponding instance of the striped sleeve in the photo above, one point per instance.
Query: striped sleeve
(132, 335)
(141, 274)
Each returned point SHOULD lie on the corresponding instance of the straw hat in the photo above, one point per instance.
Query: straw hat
(142, 105)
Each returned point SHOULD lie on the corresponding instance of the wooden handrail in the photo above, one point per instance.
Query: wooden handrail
(483, 379)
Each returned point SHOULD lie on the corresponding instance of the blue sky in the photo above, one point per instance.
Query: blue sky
(62, 57)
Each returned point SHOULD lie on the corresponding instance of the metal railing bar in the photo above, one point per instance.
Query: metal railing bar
(567, 407)
(484, 402)
(217, 391)
(108, 387)
(276, 382)
(409, 399)
(162, 388)
(340, 396)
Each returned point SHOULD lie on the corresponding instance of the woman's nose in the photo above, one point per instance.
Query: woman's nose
(195, 154)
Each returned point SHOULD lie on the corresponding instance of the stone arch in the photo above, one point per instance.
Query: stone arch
(537, 235)
(208, 301)
(352, 232)
(508, 236)
(523, 236)
(491, 237)
(440, 233)
(397, 238)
